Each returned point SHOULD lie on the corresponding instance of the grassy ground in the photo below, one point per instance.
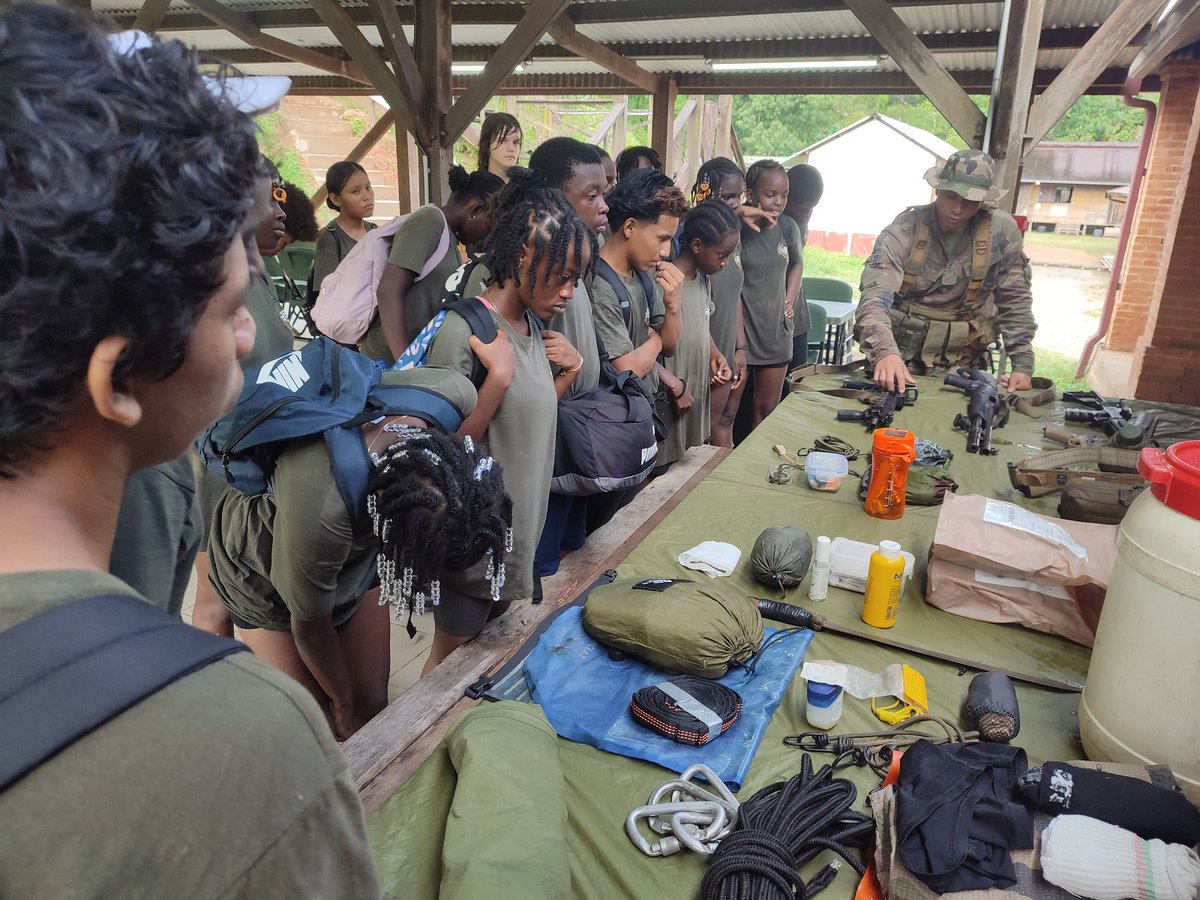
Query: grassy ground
(1086, 243)
(1059, 368)
(820, 263)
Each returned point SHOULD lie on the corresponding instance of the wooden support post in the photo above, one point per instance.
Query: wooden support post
(1097, 54)
(620, 136)
(407, 171)
(150, 16)
(724, 126)
(691, 157)
(920, 65)
(392, 746)
(515, 49)
(607, 123)
(663, 118)
(564, 34)
(404, 63)
(1010, 109)
(433, 49)
(361, 149)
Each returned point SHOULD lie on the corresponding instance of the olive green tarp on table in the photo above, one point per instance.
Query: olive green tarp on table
(502, 798)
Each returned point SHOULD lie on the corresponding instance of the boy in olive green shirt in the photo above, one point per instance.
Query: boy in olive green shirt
(226, 782)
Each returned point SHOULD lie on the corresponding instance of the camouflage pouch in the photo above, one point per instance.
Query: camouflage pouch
(944, 343)
(909, 332)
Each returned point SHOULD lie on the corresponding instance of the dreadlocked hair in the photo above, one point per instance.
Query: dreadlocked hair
(438, 505)
(710, 176)
(530, 213)
(644, 195)
(710, 222)
(758, 169)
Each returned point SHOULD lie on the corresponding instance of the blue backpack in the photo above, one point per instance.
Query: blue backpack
(324, 389)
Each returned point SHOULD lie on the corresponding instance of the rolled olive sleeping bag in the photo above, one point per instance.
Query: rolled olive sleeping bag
(677, 626)
(781, 555)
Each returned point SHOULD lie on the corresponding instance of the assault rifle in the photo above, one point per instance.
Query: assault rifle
(1113, 417)
(882, 404)
(983, 407)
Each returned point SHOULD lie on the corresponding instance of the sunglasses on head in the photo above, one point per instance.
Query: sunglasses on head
(278, 191)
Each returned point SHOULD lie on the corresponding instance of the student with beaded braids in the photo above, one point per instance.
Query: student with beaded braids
(406, 304)
(536, 253)
(295, 572)
(773, 265)
(708, 241)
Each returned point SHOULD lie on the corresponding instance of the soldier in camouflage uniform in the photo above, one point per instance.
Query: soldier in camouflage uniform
(947, 279)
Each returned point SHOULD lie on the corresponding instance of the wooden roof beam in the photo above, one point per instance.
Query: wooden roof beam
(150, 16)
(1098, 54)
(244, 28)
(1180, 27)
(515, 49)
(368, 59)
(1009, 111)
(404, 62)
(565, 35)
(920, 65)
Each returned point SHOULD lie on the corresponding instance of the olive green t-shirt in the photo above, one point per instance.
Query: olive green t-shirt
(272, 337)
(520, 438)
(412, 247)
(691, 363)
(225, 784)
(575, 323)
(291, 552)
(644, 313)
(158, 533)
(766, 256)
(726, 288)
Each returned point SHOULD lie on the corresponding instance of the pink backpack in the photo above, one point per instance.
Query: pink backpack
(346, 304)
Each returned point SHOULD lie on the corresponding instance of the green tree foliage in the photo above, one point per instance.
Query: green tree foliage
(275, 146)
(1100, 118)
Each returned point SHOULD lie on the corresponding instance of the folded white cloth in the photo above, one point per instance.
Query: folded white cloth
(1094, 859)
(713, 558)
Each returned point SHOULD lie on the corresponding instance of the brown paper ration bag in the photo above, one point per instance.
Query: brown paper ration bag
(1006, 539)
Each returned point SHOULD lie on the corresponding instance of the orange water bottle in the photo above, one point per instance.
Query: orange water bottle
(891, 452)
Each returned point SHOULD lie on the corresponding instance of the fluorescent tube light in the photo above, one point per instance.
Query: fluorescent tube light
(793, 65)
(466, 68)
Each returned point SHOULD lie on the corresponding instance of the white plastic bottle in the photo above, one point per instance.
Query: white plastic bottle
(818, 585)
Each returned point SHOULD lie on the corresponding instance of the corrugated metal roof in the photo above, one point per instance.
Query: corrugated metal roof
(1077, 163)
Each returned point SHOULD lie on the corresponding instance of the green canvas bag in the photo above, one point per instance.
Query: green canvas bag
(675, 625)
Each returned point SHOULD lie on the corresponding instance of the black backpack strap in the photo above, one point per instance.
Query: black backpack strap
(647, 286)
(71, 669)
(482, 325)
(613, 280)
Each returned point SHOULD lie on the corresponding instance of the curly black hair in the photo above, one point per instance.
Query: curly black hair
(301, 222)
(124, 181)
(496, 127)
(558, 157)
(443, 503)
(757, 170)
(710, 176)
(711, 221)
(481, 185)
(644, 195)
(629, 159)
(530, 213)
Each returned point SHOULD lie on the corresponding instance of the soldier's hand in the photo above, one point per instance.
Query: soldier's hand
(892, 374)
(1016, 381)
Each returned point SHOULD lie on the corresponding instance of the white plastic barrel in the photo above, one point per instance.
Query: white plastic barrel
(1141, 703)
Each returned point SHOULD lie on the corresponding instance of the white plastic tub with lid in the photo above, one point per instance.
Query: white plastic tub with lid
(1141, 703)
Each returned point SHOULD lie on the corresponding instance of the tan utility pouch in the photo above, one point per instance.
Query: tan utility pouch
(1087, 496)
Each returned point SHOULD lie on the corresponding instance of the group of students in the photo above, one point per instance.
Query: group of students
(135, 303)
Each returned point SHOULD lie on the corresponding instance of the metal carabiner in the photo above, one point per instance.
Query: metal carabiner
(670, 844)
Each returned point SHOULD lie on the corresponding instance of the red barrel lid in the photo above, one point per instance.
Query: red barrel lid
(1174, 476)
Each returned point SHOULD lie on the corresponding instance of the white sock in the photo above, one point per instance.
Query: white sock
(1100, 861)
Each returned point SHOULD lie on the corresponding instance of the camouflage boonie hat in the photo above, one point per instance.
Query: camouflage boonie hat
(968, 173)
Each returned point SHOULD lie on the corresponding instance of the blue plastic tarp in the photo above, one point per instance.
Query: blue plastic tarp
(585, 696)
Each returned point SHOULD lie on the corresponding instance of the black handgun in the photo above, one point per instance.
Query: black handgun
(983, 406)
(1113, 417)
(882, 404)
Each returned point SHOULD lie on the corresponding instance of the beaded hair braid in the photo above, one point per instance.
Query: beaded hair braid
(531, 214)
(710, 176)
(437, 505)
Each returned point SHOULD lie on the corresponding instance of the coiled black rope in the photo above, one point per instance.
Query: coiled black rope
(780, 829)
(662, 713)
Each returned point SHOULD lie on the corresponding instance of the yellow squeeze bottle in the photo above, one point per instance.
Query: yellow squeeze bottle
(885, 581)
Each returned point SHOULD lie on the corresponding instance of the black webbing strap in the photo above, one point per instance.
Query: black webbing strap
(69, 670)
